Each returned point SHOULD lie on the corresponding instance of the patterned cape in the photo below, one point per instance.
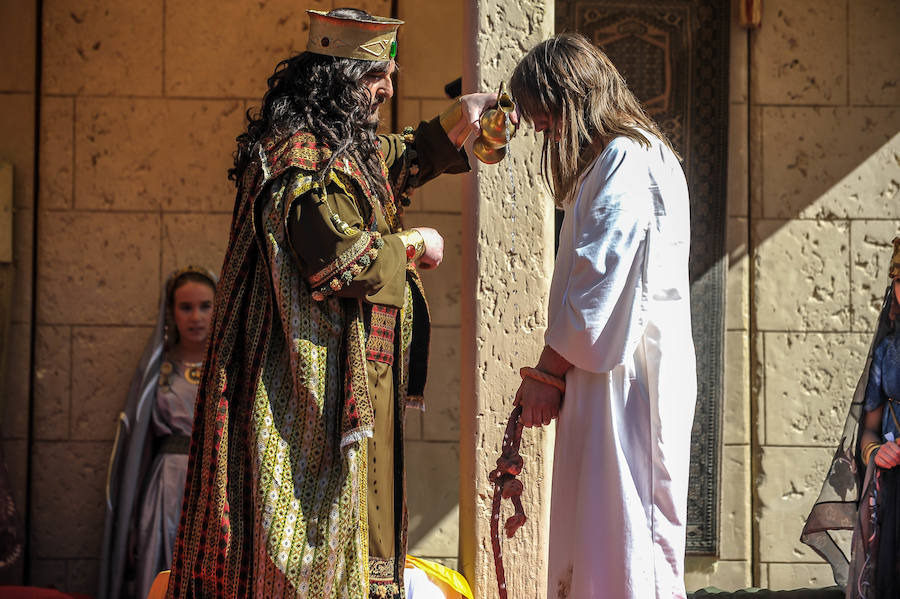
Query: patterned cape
(275, 497)
(836, 507)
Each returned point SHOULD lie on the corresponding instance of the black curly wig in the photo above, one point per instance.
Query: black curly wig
(325, 96)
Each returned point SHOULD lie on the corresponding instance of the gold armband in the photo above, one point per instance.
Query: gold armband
(414, 243)
(453, 125)
(868, 450)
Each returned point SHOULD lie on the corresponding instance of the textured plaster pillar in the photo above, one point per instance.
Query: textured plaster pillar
(507, 263)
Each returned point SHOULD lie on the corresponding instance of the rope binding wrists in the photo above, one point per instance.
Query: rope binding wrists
(526, 372)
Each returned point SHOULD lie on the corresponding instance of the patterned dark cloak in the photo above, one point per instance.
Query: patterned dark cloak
(275, 497)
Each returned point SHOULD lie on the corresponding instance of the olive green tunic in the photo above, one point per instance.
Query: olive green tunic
(413, 159)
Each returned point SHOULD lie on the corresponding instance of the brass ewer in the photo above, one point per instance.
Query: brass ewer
(496, 130)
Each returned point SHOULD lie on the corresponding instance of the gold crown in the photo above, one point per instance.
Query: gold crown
(374, 38)
(894, 272)
(190, 268)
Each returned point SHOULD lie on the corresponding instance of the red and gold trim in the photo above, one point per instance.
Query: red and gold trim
(351, 263)
(382, 583)
(380, 344)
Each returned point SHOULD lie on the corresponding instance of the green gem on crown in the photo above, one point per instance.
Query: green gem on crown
(393, 49)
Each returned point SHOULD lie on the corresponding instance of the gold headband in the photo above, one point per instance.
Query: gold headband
(894, 271)
(372, 39)
(190, 268)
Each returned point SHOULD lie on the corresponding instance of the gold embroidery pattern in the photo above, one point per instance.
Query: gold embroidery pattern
(362, 253)
(381, 579)
(345, 260)
(408, 174)
(282, 368)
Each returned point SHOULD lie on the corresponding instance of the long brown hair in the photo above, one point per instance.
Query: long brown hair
(575, 84)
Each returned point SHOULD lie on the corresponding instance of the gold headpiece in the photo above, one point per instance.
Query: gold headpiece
(192, 268)
(374, 38)
(894, 272)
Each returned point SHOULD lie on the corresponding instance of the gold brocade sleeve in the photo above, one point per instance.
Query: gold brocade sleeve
(326, 254)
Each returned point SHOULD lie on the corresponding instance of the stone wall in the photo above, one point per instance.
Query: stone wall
(17, 103)
(813, 205)
(508, 260)
(139, 109)
(824, 116)
(431, 51)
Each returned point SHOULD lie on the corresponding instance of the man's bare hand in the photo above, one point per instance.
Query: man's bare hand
(434, 248)
(539, 401)
(888, 455)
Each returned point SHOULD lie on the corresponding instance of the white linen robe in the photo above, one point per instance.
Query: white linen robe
(619, 312)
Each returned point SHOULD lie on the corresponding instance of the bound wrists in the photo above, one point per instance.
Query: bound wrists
(527, 372)
(553, 363)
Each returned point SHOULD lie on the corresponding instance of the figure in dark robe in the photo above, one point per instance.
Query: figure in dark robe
(862, 489)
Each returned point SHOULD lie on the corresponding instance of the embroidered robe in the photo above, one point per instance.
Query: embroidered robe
(276, 498)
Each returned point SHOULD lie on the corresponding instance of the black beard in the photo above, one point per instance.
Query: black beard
(374, 115)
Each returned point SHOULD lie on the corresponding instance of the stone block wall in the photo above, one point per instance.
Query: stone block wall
(429, 57)
(17, 104)
(139, 107)
(813, 205)
(137, 127)
(824, 118)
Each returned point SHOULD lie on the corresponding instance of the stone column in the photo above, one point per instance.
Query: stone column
(507, 263)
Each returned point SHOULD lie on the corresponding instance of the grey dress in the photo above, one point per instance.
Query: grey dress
(160, 502)
(146, 473)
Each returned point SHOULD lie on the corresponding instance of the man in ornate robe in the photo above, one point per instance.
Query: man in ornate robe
(295, 484)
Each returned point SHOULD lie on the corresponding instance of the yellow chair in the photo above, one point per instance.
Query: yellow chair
(159, 586)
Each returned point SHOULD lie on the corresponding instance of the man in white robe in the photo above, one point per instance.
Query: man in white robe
(619, 333)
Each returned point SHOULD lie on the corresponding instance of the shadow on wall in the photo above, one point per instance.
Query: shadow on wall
(826, 164)
(433, 497)
(813, 178)
(831, 213)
